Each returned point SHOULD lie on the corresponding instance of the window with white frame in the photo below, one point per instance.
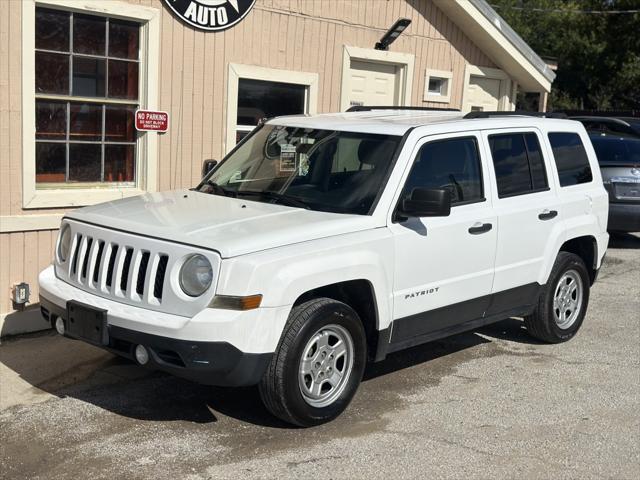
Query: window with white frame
(87, 71)
(258, 99)
(437, 86)
(255, 93)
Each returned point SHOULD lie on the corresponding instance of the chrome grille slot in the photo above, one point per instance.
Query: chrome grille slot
(131, 269)
(97, 264)
(158, 284)
(76, 250)
(142, 272)
(86, 255)
(124, 278)
(111, 265)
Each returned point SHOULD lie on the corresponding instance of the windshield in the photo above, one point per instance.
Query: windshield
(322, 170)
(612, 150)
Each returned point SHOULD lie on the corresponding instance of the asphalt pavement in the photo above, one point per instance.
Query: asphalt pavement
(493, 403)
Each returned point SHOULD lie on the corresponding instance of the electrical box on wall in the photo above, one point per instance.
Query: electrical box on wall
(20, 295)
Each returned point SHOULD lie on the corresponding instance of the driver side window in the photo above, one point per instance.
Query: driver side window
(451, 164)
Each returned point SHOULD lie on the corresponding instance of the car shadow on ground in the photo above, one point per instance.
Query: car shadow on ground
(624, 240)
(123, 388)
(512, 330)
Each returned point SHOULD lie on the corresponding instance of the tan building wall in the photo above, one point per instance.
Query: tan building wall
(300, 35)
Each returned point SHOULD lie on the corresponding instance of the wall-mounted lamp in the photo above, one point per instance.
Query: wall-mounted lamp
(393, 33)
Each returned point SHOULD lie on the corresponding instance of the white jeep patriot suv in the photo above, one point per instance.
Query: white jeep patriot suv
(323, 242)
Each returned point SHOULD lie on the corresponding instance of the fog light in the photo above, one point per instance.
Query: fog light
(142, 355)
(60, 325)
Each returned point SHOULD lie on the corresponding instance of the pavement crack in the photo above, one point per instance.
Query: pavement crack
(313, 460)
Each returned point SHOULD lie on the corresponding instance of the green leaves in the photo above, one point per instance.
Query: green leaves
(598, 53)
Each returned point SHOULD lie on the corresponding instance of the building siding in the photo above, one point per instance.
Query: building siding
(301, 35)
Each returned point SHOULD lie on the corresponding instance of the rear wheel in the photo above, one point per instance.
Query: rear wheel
(318, 365)
(563, 301)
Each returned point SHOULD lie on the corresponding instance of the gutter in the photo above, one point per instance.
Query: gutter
(509, 33)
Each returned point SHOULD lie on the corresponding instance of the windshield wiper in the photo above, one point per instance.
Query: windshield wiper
(219, 190)
(294, 202)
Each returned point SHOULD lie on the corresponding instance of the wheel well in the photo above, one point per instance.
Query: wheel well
(587, 249)
(359, 295)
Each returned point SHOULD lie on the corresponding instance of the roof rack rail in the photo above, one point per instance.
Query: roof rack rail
(367, 108)
(603, 113)
(517, 113)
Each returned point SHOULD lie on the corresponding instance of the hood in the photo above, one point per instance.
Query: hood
(231, 226)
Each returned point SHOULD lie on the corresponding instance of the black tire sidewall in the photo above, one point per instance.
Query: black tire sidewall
(334, 313)
(570, 262)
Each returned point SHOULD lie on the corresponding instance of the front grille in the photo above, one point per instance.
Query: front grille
(118, 270)
(132, 269)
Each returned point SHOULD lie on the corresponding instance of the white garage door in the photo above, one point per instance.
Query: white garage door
(483, 94)
(373, 83)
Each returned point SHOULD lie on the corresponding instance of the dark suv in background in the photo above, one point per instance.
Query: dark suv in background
(616, 141)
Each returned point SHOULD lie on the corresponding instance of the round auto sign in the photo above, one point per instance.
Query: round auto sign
(213, 15)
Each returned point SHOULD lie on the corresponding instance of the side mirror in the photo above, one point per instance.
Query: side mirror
(207, 166)
(427, 202)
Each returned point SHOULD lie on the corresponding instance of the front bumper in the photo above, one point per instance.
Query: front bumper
(215, 347)
(624, 217)
(209, 363)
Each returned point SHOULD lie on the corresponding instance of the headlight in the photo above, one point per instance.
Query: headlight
(64, 244)
(196, 275)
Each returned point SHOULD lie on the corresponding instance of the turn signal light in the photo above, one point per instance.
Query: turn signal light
(228, 302)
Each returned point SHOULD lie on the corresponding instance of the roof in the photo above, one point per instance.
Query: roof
(500, 42)
(398, 122)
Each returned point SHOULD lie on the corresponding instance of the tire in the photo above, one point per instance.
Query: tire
(317, 330)
(556, 322)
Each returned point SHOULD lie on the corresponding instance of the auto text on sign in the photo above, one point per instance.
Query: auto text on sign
(211, 15)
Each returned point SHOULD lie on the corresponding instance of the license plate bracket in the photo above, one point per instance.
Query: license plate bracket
(624, 190)
(87, 323)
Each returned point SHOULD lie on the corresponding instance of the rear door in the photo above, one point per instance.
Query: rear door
(527, 207)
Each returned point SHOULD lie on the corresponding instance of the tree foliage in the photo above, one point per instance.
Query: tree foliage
(598, 54)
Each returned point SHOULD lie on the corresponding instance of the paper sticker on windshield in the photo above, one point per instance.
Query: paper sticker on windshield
(287, 158)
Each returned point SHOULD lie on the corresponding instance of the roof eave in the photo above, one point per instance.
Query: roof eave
(500, 42)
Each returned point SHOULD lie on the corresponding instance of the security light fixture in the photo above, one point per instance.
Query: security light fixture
(393, 33)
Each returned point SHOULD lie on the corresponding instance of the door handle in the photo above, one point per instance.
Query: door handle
(548, 215)
(479, 228)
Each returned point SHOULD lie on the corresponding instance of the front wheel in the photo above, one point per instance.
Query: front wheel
(318, 365)
(563, 301)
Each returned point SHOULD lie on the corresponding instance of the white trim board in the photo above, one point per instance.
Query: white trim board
(148, 88)
(29, 223)
(404, 62)
(238, 71)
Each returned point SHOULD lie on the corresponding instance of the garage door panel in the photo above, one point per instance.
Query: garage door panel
(483, 94)
(373, 83)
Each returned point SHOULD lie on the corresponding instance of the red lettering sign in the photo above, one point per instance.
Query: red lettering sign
(148, 120)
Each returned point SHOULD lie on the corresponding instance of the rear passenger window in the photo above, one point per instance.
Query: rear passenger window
(571, 158)
(518, 163)
(453, 165)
